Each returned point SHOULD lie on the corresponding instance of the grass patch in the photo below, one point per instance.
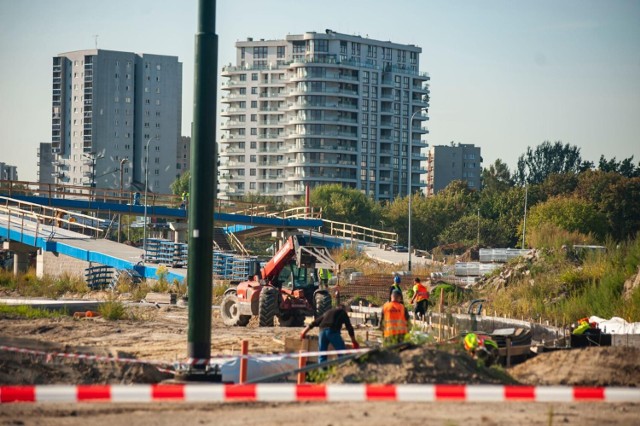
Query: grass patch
(563, 288)
(24, 311)
(112, 310)
(28, 285)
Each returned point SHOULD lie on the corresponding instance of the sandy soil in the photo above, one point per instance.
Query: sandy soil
(160, 334)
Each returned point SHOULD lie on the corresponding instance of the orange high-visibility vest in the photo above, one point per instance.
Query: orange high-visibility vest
(421, 292)
(394, 320)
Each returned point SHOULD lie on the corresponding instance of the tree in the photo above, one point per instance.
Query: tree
(624, 167)
(617, 197)
(497, 177)
(431, 215)
(181, 184)
(536, 165)
(346, 205)
(569, 213)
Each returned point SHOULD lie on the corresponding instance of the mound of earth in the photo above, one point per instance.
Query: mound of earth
(417, 366)
(23, 369)
(592, 366)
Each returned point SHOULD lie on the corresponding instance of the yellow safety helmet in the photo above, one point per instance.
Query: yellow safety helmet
(471, 341)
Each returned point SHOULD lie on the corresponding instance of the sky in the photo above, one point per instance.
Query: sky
(505, 75)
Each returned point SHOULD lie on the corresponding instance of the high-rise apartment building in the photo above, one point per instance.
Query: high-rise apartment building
(321, 108)
(183, 155)
(45, 164)
(447, 163)
(8, 172)
(108, 106)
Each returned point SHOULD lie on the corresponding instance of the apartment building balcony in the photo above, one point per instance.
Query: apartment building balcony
(231, 84)
(324, 119)
(322, 105)
(268, 109)
(272, 95)
(233, 124)
(273, 163)
(233, 96)
(277, 123)
(323, 134)
(270, 177)
(230, 150)
(231, 112)
(325, 91)
(337, 149)
(269, 136)
(233, 163)
(329, 76)
(419, 143)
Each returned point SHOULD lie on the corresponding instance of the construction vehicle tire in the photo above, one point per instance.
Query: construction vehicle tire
(292, 320)
(243, 320)
(267, 306)
(229, 310)
(323, 303)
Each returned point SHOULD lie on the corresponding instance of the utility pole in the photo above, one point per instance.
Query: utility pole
(524, 223)
(202, 188)
(478, 228)
(122, 162)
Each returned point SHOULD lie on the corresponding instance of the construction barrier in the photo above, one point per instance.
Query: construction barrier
(319, 393)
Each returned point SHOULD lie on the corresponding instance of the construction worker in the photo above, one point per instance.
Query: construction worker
(324, 275)
(395, 320)
(330, 324)
(481, 347)
(185, 200)
(395, 286)
(420, 299)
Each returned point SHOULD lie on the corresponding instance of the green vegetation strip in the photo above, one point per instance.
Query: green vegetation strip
(24, 311)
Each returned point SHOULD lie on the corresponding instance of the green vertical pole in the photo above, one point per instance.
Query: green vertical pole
(203, 183)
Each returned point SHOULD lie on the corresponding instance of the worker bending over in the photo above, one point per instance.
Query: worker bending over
(330, 324)
(420, 299)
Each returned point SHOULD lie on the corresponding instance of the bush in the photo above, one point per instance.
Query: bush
(112, 310)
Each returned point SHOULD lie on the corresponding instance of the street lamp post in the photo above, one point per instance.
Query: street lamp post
(146, 185)
(122, 163)
(409, 182)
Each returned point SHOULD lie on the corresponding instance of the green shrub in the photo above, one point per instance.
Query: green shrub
(112, 310)
(24, 311)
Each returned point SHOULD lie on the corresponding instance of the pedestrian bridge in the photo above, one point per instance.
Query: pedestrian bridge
(45, 217)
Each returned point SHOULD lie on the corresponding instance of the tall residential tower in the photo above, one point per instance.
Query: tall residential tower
(322, 108)
(447, 163)
(106, 107)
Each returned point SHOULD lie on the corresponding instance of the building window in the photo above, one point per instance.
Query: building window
(243, 77)
(254, 76)
(254, 131)
(254, 104)
(322, 45)
(280, 51)
(260, 52)
(252, 158)
(253, 145)
(355, 49)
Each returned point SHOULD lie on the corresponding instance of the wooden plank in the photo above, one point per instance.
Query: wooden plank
(154, 297)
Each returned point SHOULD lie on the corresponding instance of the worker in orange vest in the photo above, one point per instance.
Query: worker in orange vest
(395, 319)
(420, 298)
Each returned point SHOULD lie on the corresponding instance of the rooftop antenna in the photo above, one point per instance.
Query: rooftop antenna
(95, 38)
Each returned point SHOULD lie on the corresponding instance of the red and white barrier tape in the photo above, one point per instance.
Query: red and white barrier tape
(85, 357)
(328, 393)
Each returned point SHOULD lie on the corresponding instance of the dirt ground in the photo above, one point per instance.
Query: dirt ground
(160, 334)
